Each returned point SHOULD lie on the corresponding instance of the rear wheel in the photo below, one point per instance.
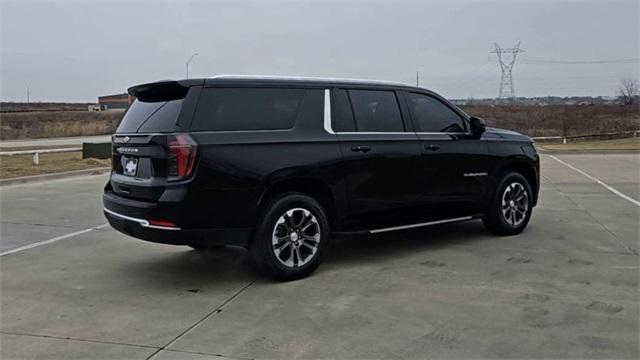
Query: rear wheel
(510, 209)
(291, 237)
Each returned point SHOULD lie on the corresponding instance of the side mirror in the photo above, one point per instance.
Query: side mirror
(477, 126)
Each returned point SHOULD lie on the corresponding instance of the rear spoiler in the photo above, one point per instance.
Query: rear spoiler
(162, 90)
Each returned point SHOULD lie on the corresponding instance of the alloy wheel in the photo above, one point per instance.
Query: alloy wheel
(296, 237)
(515, 204)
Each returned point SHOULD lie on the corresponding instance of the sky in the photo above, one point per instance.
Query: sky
(78, 50)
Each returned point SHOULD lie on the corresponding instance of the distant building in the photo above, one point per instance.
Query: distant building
(112, 102)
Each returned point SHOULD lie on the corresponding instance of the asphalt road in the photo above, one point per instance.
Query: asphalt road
(565, 288)
(55, 141)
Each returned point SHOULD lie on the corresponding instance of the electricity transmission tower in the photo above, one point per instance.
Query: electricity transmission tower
(506, 65)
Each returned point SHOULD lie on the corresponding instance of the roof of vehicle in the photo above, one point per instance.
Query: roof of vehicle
(308, 79)
(302, 80)
(172, 85)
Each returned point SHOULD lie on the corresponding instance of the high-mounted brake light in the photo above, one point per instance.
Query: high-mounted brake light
(182, 156)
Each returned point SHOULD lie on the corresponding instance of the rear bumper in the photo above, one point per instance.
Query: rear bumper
(133, 217)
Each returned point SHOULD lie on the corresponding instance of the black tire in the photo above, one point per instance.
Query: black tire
(509, 218)
(293, 256)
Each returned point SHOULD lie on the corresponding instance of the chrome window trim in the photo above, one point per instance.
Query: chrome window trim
(374, 133)
(142, 222)
(396, 133)
(327, 112)
(442, 133)
(402, 133)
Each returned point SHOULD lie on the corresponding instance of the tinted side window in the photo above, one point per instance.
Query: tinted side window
(247, 109)
(431, 115)
(143, 116)
(376, 111)
(343, 116)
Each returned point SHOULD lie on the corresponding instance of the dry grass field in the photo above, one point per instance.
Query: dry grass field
(565, 120)
(531, 120)
(42, 106)
(560, 120)
(33, 125)
(22, 165)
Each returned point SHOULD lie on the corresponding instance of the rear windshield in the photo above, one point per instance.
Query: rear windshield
(225, 109)
(143, 116)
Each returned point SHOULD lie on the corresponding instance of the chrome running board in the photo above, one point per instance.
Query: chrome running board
(394, 228)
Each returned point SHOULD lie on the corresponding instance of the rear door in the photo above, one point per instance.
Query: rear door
(453, 164)
(379, 148)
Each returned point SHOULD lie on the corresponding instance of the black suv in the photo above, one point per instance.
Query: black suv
(279, 165)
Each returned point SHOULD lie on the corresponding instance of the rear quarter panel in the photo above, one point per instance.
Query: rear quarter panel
(235, 168)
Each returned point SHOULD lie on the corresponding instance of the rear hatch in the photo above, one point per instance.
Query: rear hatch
(149, 152)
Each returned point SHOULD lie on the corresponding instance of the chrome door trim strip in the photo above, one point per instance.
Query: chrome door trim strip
(142, 222)
(475, 174)
(375, 231)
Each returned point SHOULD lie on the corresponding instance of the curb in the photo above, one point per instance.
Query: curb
(53, 176)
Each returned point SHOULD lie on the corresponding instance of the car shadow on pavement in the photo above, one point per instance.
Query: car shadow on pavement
(371, 248)
(231, 263)
(185, 265)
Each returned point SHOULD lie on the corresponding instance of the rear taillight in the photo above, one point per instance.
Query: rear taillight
(181, 157)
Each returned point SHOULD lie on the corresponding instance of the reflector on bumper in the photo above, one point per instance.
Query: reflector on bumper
(153, 224)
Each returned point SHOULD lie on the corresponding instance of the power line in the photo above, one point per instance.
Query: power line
(506, 65)
(580, 62)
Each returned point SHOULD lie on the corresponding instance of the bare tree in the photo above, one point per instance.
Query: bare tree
(628, 90)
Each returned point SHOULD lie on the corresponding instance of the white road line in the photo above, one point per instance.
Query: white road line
(51, 181)
(613, 190)
(45, 242)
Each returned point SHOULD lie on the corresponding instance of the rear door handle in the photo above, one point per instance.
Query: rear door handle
(361, 148)
(432, 147)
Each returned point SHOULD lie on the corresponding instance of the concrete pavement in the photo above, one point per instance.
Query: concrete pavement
(39, 211)
(567, 287)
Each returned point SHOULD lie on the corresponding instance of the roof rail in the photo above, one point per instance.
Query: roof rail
(305, 78)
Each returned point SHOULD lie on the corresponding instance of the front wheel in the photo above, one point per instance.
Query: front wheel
(510, 209)
(291, 237)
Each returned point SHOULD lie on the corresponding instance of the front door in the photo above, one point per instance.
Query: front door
(455, 163)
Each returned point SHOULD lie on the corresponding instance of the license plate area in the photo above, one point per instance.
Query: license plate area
(129, 166)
